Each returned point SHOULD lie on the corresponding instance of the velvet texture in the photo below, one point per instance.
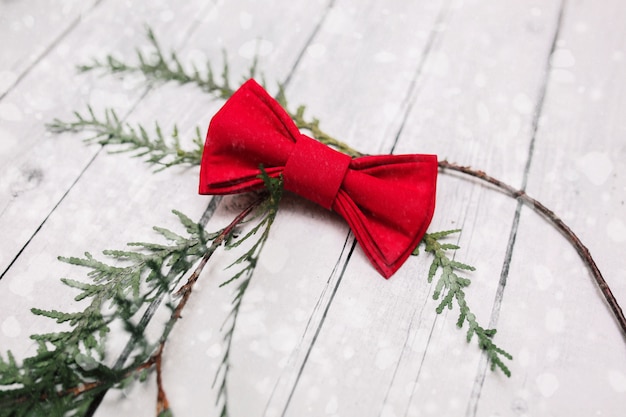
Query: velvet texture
(388, 201)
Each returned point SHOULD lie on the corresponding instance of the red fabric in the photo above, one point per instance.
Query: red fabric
(388, 200)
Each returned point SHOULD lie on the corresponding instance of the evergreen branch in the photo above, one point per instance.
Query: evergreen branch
(449, 288)
(110, 130)
(69, 363)
(159, 66)
(156, 67)
(249, 260)
(557, 223)
(313, 126)
(317, 133)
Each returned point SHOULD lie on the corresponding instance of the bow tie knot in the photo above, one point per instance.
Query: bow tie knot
(387, 200)
(315, 171)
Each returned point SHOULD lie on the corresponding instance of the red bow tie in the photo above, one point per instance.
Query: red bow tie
(388, 200)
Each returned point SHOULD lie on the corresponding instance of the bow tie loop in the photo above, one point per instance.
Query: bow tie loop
(388, 200)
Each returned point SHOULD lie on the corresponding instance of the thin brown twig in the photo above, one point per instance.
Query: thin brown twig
(184, 293)
(556, 222)
(86, 386)
(156, 359)
(162, 403)
(520, 195)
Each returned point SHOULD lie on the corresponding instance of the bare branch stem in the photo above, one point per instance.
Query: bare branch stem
(549, 215)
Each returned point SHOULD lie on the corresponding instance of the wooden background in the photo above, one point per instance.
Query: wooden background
(531, 91)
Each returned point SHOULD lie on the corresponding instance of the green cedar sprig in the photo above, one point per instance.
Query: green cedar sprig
(453, 280)
(157, 67)
(167, 152)
(69, 368)
(110, 130)
(161, 67)
(248, 262)
(449, 288)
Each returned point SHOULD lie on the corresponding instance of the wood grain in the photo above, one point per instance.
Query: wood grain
(530, 91)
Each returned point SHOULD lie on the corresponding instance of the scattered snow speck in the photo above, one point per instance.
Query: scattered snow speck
(316, 50)
(547, 384)
(7, 78)
(523, 357)
(617, 380)
(166, 16)
(10, 112)
(555, 320)
(7, 139)
(438, 64)
(332, 406)
(483, 112)
(553, 353)
(543, 277)
(340, 21)
(480, 80)
(386, 357)
(618, 56)
(103, 97)
(348, 352)
(277, 257)
(11, 327)
(562, 58)
(523, 104)
(596, 94)
(245, 20)
(255, 47)
(385, 57)
(29, 21)
(284, 339)
(562, 76)
(21, 286)
(214, 350)
(596, 166)
(581, 27)
(204, 335)
(616, 229)
(390, 110)
(388, 411)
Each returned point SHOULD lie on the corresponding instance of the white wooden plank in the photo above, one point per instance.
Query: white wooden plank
(273, 334)
(381, 347)
(113, 199)
(89, 218)
(570, 349)
(406, 360)
(350, 35)
(29, 29)
(38, 168)
(192, 355)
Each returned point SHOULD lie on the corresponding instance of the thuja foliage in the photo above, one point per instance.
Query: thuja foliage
(69, 367)
(248, 262)
(111, 130)
(449, 288)
(162, 67)
(159, 66)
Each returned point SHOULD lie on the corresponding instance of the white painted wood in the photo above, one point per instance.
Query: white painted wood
(571, 358)
(37, 168)
(81, 180)
(29, 29)
(397, 363)
(312, 338)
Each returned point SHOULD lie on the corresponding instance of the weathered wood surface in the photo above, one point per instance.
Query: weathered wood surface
(531, 92)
